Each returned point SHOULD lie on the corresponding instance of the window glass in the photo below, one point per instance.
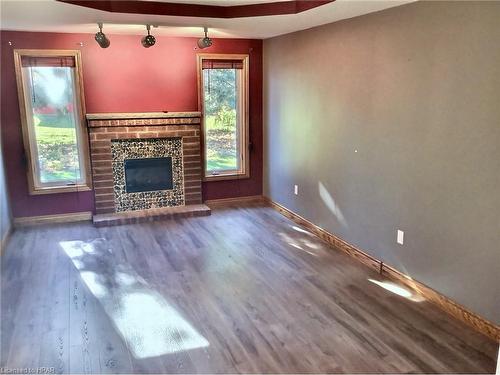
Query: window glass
(221, 110)
(54, 118)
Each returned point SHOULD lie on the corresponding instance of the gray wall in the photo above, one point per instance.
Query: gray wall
(5, 218)
(416, 91)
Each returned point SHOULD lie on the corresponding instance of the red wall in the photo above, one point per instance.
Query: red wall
(124, 78)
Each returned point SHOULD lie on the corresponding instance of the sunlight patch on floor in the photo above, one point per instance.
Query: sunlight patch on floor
(91, 279)
(310, 244)
(301, 249)
(298, 244)
(150, 326)
(299, 229)
(399, 290)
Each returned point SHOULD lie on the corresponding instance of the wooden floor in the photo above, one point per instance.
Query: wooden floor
(244, 290)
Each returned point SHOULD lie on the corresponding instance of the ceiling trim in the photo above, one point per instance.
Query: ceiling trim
(198, 10)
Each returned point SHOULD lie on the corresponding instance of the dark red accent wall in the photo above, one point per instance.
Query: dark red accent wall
(124, 78)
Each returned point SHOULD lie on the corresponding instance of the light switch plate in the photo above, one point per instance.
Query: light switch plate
(401, 237)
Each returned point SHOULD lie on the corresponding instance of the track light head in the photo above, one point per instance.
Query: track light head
(149, 40)
(101, 38)
(206, 41)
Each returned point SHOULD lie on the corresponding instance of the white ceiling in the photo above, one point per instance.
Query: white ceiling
(52, 16)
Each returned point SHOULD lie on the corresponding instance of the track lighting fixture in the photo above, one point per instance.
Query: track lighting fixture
(149, 40)
(206, 41)
(100, 38)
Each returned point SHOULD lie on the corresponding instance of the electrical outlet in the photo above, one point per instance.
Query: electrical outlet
(296, 189)
(400, 237)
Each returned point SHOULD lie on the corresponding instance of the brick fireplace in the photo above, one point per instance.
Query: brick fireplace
(121, 143)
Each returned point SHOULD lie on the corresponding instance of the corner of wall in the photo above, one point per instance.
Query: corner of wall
(5, 213)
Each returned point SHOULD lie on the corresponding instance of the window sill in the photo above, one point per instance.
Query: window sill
(60, 189)
(222, 177)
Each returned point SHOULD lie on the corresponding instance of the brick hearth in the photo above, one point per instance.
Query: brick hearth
(105, 127)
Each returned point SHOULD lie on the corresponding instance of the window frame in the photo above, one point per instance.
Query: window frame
(244, 171)
(27, 132)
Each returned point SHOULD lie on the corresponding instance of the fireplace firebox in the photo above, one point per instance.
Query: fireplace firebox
(148, 174)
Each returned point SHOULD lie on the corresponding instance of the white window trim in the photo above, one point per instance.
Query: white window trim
(244, 171)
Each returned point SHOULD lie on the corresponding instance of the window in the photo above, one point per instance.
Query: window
(223, 87)
(51, 97)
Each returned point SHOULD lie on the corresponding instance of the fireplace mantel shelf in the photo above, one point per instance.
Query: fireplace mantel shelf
(141, 115)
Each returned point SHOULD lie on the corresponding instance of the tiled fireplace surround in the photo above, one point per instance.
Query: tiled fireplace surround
(106, 128)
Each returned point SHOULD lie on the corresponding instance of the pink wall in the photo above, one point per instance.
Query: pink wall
(124, 78)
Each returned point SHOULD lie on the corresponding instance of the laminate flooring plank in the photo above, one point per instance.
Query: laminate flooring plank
(24, 345)
(54, 347)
